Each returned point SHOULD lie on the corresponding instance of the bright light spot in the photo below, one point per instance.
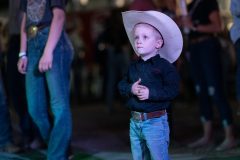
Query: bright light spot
(119, 3)
(188, 1)
(229, 25)
(83, 2)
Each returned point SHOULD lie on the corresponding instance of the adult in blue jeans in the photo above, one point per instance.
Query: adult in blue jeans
(15, 82)
(235, 37)
(206, 70)
(45, 57)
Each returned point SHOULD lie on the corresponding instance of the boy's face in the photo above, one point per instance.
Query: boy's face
(147, 40)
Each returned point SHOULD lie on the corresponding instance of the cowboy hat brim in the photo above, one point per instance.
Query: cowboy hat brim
(172, 36)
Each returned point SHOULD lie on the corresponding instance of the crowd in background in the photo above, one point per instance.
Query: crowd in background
(95, 77)
(88, 63)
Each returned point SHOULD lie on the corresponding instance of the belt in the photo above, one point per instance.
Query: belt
(33, 29)
(140, 116)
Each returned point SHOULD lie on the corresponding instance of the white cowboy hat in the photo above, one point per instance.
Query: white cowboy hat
(172, 36)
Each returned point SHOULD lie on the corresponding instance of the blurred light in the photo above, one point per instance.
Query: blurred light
(119, 3)
(101, 46)
(229, 25)
(188, 1)
(83, 2)
(82, 54)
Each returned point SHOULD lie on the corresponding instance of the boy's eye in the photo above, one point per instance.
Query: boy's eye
(136, 37)
(145, 37)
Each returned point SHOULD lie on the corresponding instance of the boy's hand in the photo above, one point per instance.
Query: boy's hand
(143, 93)
(136, 87)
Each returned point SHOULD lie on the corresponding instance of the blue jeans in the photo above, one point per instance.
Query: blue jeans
(5, 123)
(150, 138)
(56, 82)
(237, 47)
(206, 67)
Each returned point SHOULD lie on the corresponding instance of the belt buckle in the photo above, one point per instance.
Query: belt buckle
(136, 116)
(32, 31)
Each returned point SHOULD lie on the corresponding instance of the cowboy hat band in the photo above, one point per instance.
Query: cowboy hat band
(171, 34)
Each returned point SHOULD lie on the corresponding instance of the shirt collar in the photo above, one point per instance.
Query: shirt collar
(150, 60)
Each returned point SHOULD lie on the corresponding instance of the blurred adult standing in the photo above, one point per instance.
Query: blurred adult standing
(204, 23)
(45, 57)
(6, 139)
(16, 81)
(235, 36)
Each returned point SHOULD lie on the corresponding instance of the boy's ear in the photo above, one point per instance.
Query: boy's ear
(159, 43)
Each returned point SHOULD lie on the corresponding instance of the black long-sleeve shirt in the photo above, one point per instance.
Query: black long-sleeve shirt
(161, 78)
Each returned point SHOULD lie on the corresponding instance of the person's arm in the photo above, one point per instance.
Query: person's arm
(55, 32)
(214, 26)
(22, 62)
(23, 44)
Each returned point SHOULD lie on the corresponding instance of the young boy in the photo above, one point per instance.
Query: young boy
(151, 82)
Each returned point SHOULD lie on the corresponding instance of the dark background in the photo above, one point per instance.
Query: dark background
(3, 4)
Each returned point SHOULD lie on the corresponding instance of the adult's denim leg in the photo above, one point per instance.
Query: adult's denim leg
(214, 77)
(36, 91)
(5, 123)
(37, 104)
(58, 86)
(197, 60)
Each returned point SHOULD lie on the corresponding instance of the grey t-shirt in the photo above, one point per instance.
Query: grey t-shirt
(39, 12)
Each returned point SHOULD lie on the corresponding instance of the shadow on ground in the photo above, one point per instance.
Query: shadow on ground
(101, 135)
